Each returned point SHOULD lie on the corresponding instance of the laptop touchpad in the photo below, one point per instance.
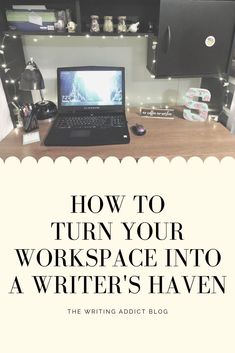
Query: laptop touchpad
(80, 133)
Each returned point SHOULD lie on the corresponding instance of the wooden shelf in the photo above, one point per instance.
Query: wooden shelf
(76, 34)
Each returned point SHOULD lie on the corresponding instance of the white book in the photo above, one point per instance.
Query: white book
(29, 7)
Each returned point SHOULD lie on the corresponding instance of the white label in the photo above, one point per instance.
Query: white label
(31, 137)
(35, 19)
(210, 41)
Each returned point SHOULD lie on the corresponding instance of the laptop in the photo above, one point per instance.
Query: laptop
(91, 107)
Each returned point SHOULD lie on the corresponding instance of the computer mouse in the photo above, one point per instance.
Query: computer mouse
(138, 130)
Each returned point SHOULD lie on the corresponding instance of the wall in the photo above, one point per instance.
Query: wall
(5, 120)
(50, 53)
(231, 112)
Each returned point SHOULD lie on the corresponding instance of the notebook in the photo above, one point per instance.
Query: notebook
(91, 107)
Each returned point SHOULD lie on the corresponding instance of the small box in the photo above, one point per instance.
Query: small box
(23, 20)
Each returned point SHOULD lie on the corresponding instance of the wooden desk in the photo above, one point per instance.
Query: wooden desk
(169, 138)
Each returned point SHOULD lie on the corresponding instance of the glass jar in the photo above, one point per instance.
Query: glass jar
(122, 24)
(95, 27)
(108, 24)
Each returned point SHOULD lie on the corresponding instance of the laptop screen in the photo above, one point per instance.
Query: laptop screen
(91, 87)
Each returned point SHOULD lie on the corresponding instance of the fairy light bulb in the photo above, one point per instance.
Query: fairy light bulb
(7, 70)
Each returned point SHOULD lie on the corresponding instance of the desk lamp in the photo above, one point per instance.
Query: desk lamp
(31, 79)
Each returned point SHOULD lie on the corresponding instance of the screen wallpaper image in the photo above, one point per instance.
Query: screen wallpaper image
(91, 88)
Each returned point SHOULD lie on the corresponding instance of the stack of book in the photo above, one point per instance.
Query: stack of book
(33, 18)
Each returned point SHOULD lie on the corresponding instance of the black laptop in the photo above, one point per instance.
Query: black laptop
(91, 107)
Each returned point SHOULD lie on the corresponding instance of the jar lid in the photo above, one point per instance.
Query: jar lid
(108, 17)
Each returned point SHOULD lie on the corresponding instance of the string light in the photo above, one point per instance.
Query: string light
(154, 48)
(14, 82)
(225, 84)
(6, 68)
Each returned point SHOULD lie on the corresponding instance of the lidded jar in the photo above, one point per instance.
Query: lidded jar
(108, 24)
(122, 24)
(95, 27)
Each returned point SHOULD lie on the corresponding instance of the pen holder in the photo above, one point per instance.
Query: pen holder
(29, 118)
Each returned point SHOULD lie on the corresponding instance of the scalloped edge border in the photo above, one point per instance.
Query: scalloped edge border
(112, 159)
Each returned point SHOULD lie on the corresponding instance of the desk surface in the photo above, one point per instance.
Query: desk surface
(168, 138)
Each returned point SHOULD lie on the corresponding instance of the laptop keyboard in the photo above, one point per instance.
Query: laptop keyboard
(89, 122)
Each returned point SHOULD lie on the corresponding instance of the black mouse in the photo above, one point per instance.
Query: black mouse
(138, 130)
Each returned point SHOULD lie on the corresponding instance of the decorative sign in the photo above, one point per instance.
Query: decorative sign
(161, 113)
(190, 103)
(123, 261)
